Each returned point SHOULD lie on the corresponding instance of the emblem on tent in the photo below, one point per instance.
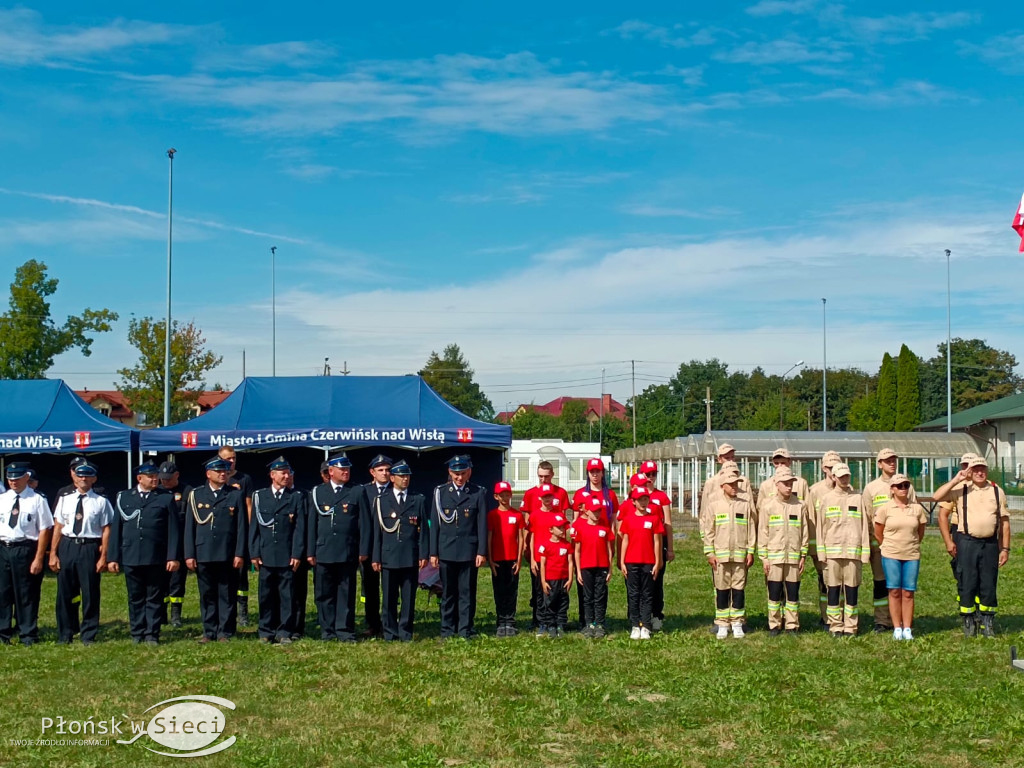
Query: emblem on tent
(82, 439)
(465, 435)
(189, 439)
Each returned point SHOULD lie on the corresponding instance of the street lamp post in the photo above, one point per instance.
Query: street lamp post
(167, 329)
(949, 352)
(782, 390)
(273, 310)
(824, 369)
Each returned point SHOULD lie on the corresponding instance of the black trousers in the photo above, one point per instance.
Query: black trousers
(658, 594)
(979, 573)
(218, 598)
(399, 584)
(536, 596)
(146, 609)
(334, 589)
(458, 597)
(300, 593)
(275, 591)
(595, 595)
(176, 586)
(371, 597)
(506, 592)
(77, 580)
(555, 610)
(954, 562)
(19, 592)
(242, 590)
(639, 593)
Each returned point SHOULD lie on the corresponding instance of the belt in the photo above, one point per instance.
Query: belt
(986, 540)
(83, 540)
(19, 543)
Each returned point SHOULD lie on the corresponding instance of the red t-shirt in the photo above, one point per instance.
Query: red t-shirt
(593, 540)
(659, 501)
(531, 500)
(557, 553)
(580, 497)
(540, 526)
(641, 530)
(628, 507)
(505, 527)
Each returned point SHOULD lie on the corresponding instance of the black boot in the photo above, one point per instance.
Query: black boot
(243, 612)
(988, 625)
(970, 625)
(175, 614)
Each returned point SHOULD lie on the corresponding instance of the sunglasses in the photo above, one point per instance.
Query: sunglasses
(902, 486)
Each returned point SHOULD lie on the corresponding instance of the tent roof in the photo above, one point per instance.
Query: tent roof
(267, 413)
(46, 416)
(1011, 407)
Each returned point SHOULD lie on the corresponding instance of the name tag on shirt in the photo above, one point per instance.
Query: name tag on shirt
(602, 533)
(562, 551)
(512, 520)
(559, 518)
(648, 524)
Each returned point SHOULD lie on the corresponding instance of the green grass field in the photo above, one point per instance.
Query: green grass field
(681, 699)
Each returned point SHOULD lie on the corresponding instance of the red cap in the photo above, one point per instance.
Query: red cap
(594, 504)
(501, 486)
(648, 467)
(638, 480)
(547, 489)
(640, 490)
(594, 464)
(560, 523)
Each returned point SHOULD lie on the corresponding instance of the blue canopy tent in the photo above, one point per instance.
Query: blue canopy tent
(351, 412)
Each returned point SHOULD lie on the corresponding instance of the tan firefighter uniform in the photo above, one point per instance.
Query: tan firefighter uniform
(728, 533)
(782, 534)
(713, 487)
(844, 543)
(814, 496)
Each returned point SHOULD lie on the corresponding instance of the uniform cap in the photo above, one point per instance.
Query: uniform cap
(841, 470)
(402, 469)
(546, 489)
(830, 459)
(639, 491)
(638, 480)
(85, 469)
(216, 464)
(967, 458)
(886, 453)
(17, 469)
(728, 477)
(594, 503)
(648, 467)
(727, 465)
(149, 468)
(75, 461)
(380, 459)
(978, 461)
(780, 453)
(783, 475)
(279, 463)
(32, 475)
(725, 448)
(324, 466)
(340, 460)
(502, 486)
(898, 478)
(167, 470)
(593, 464)
(459, 463)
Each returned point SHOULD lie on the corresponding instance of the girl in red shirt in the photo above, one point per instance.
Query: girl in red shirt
(595, 551)
(640, 560)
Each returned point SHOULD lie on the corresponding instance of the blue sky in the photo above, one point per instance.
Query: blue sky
(559, 190)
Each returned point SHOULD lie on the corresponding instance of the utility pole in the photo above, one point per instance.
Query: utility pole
(327, 367)
(273, 310)
(600, 429)
(243, 363)
(344, 368)
(707, 409)
(632, 364)
(824, 369)
(949, 352)
(167, 331)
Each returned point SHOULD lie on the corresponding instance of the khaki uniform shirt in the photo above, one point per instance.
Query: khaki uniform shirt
(843, 527)
(876, 493)
(782, 531)
(982, 511)
(727, 529)
(814, 496)
(713, 490)
(899, 535)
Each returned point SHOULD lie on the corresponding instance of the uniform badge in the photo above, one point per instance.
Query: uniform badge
(291, 517)
(344, 508)
(79, 516)
(394, 515)
(327, 508)
(466, 513)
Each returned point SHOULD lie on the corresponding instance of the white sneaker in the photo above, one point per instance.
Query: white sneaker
(907, 634)
(723, 632)
(634, 633)
(897, 634)
(645, 633)
(737, 630)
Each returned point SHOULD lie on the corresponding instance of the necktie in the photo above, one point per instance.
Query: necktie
(278, 494)
(145, 495)
(12, 521)
(79, 515)
(380, 490)
(401, 497)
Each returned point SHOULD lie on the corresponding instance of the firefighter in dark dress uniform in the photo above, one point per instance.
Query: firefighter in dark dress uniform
(277, 538)
(338, 538)
(169, 481)
(215, 546)
(145, 543)
(458, 545)
(380, 471)
(300, 579)
(400, 546)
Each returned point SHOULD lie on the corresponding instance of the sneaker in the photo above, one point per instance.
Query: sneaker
(737, 630)
(557, 632)
(897, 633)
(656, 624)
(587, 631)
(511, 631)
(645, 633)
(907, 634)
(599, 632)
(542, 631)
(634, 634)
(502, 632)
(723, 632)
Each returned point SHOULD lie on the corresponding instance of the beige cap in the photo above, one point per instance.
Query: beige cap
(830, 459)
(780, 453)
(841, 470)
(967, 458)
(977, 461)
(783, 475)
(727, 465)
(886, 453)
(725, 448)
(728, 477)
(898, 478)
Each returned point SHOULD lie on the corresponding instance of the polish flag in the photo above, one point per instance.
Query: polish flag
(1018, 223)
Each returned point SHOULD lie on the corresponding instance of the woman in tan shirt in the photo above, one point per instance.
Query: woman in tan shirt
(899, 528)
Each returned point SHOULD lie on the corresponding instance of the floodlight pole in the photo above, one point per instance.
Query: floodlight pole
(949, 351)
(167, 329)
(273, 310)
(782, 391)
(824, 370)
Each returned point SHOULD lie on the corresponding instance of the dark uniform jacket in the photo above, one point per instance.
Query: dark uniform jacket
(408, 542)
(277, 531)
(215, 526)
(339, 524)
(144, 532)
(458, 523)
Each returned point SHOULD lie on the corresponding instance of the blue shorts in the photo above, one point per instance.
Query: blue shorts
(901, 574)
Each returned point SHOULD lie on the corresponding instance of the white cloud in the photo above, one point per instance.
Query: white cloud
(645, 209)
(676, 36)
(791, 50)
(903, 93)
(904, 27)
(292, 54)
(691, 76)
(779, 7)
(1003, 51)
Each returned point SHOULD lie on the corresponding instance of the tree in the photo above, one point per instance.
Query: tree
(980, 374)
(531, 424)
(886, 394)
(908, 390)
(451, 377)
(143, 384)
(29, 339)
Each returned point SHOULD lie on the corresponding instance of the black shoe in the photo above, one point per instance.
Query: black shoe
(881, 629)
(63, 641)
(136, 641)
(243, 612)
(152, 641)
(176, 615)
(970, 625)
(774, 632)
(265, 641)
(836, 634)
(792, 631)
(988, 625)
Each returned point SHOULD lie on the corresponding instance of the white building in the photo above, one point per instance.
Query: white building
(568, 459)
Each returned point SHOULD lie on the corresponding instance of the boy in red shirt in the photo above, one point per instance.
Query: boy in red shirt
(640, 559)
(595, 550)
(557, 572)
(506, 542)
(543, 521)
